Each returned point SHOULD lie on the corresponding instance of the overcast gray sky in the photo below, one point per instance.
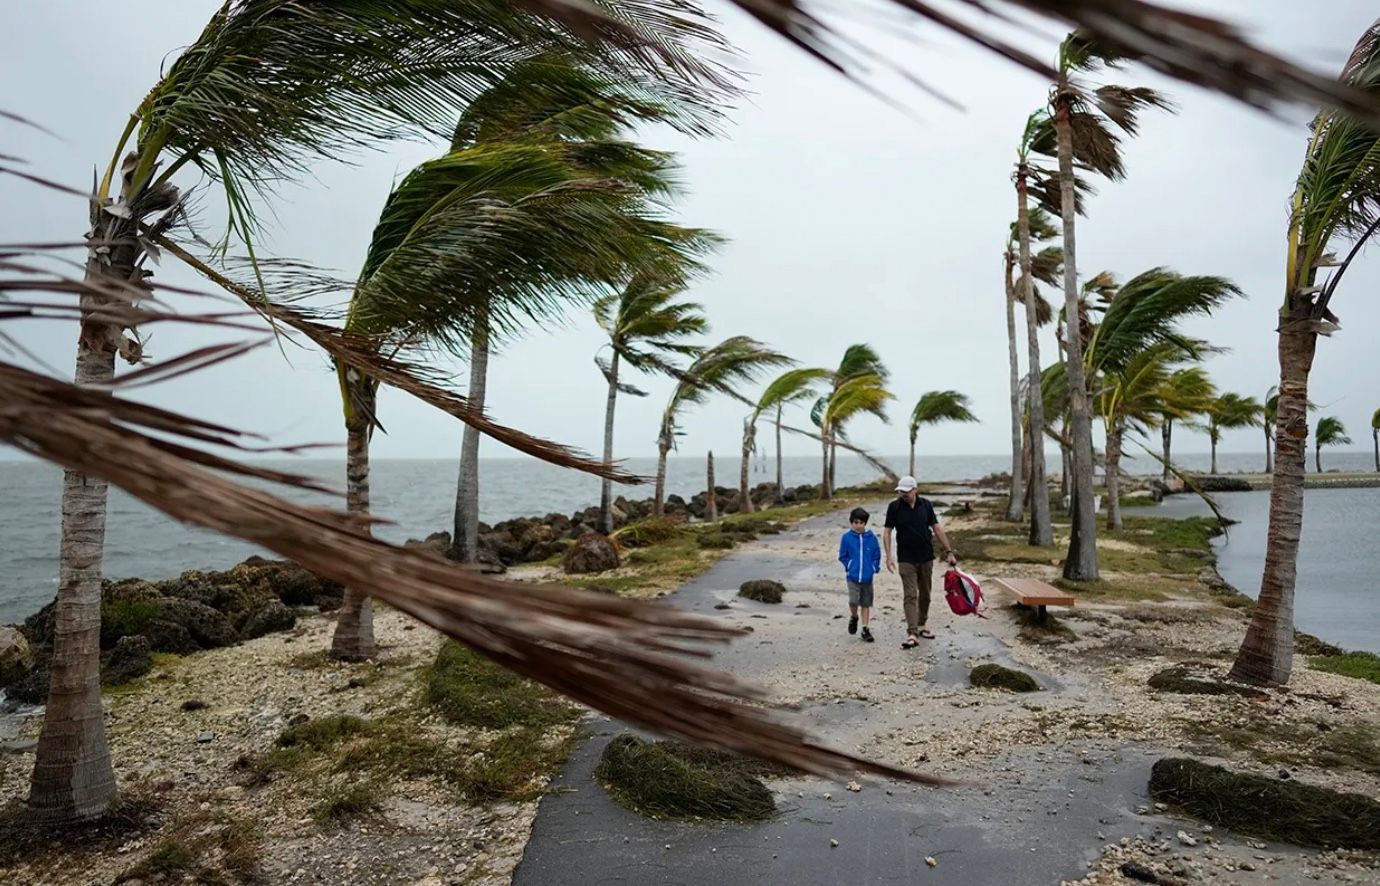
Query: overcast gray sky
(848, 221)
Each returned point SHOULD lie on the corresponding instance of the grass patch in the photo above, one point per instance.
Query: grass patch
(209, 848)
(343, 801)
(1358, 665)
(123, 617)
(1128, 588)
(1310, 743)
(466, 688)
(652, 531)
(995, 676)
(1288, 811)
(762, 590)
(322, 733)
(672, 780)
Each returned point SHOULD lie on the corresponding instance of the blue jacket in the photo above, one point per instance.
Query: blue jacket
(861, 555)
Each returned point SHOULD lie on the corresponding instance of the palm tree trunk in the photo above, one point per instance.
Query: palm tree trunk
(912, 457)
(1317, 456)
(1015, 501)
(73, 779)
(1270, 462)
(1081, 562)
(466, 540)
(1267, 653)
(354, 627)
(780, 489)
(1065, 490)
(1166, 433)
(711, 498)
(1113, 463)
(1041, 529)
(606, 485)
(833, 464)
(824, 492)
(1375, 437)
(744, 496)
(1213, 441)
(663, 448)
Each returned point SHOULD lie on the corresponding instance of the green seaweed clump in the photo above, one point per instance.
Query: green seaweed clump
(994, 676)
(1302, 814)
(1179, 679)
(763, 590)
(674, 780)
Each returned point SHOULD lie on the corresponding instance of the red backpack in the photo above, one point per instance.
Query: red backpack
(963, 593)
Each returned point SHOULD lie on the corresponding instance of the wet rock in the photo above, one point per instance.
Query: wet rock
(131, 657)
(271, 616)
(326, 604)
(592, 553)
(208, 627)
(16, 657)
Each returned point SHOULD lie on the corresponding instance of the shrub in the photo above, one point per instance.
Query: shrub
(464, 687)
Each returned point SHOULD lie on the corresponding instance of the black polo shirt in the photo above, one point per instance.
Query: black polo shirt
(914, 543)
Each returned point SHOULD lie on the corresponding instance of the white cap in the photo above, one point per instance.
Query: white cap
(907, 484)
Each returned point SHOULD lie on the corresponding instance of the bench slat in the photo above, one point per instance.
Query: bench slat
(1033, 592)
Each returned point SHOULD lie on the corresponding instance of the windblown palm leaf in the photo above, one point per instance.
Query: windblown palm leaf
(1187, 393)
(1147, 310)
(935, 407)
(645, 325)
(1331, 432)
(791, 386)
(719, 369)
(1231, 411)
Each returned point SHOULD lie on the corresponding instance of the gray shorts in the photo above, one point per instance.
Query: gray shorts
(860, 593)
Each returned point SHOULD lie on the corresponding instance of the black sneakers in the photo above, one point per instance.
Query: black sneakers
(867, 634)
(853, 624)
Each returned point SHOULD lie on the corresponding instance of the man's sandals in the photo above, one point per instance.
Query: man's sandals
(911, 642)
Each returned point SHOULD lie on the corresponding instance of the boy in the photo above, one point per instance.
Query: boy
(861, 556)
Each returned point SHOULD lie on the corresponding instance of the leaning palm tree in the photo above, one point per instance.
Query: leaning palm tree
(1330, 432)
(1228, 412)
(1336, 203)
(719, 369)
(581, 115)
(1084, 117)
(935, 407)
(1186, 394)
(1375, 436)
(858, 395)
(267, 88)
(1046, 267)
(511, 225)
(790, 387)
(858, 360)
(646, 329)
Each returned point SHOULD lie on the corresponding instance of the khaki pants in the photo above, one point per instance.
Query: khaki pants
(916, 579)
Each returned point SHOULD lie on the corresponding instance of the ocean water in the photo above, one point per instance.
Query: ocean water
(418, 496)
(1337, 593)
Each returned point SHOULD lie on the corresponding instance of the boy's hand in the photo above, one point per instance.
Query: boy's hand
(890, 564)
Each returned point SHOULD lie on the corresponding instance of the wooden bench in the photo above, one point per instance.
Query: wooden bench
(1034, 593)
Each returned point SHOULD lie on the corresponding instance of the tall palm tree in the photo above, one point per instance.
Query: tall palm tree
(719, 369)
(1336, 203)
(935, 407)
(791, 386)
(535, 206)
(1375, 436)
(1187, 393)
(1330, 432)
(268, 87)
(1133, 350)
(646, 330)
(1227, 412)
(858, 360)
(857, 395)
(580, 114)
(1046, 266)
(1084, 117)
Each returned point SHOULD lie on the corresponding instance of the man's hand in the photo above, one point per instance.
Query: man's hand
(952, 559)
(890, 564)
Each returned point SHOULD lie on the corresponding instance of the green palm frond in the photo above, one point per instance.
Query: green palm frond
(647, 327)
(1375, 421)
(719, 369)
(934, 407)
(1331, 432)
(1054, 391)
(860, 359)
(1187, 393)
(1230, 411)
(1147, 310)
(791, 386)
(858, 395)
(1135, 395)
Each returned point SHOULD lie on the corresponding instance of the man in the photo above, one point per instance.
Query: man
(912, 518)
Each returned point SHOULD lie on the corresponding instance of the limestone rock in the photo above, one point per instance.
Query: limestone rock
(16, 658)
(592, 553)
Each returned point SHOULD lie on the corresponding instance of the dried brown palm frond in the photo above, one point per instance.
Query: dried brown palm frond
(632, 660)
(1193, 48)
(364, 353)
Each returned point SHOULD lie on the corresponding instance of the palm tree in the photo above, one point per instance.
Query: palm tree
(857, 395)
(1336, 202)
(718, 369)
(1231, 411)
(935, 407)
(1084, 117)
(858, 360)
(1375, 436)
(1330, 432)
(1046, 266)
(268, 87)
(791, 386)
(1134, 348)
(646, 330)
(1187, 393)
